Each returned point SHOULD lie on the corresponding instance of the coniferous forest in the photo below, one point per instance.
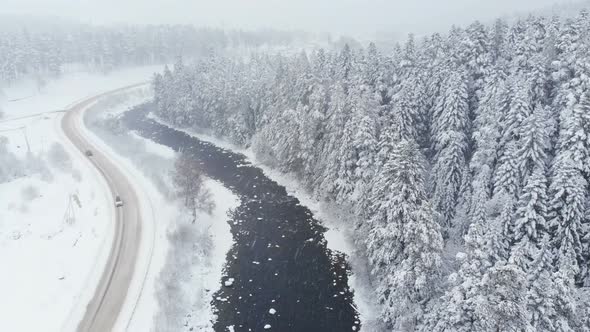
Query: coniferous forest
(43, 52)
(464, 158)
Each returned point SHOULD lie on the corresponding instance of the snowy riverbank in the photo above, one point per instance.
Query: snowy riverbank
(187, 259)
(338, 235)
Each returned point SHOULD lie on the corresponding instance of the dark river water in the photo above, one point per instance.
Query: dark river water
(280, 263)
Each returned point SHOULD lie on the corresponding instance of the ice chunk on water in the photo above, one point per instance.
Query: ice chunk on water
(229, 282)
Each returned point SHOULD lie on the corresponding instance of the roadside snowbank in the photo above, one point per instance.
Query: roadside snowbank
(338, 235)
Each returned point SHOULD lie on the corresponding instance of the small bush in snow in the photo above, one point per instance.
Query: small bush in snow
(29, 193)
(113, 124)
(59, 158)
(188, 179)
(76, 175)
(12, 167)
(36, 165)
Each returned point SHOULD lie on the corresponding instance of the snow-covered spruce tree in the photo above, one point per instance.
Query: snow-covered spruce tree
(312, 131)
(165, 96)
(531, 217)
(504, 304)
(405, 241)
(457, 309)
(487, 293)
(477, 58)
(365, 143)
(507, 177)
(530, 222)
(406, 111)
(344, 185)
(345, 67)
(338, 115)
(569, 188)
(158, 87)
(285, 138)
(574, 133)
(183, 101)
(545, 298)
(534, 144)
(435, 71)
(375, 74)
(485, 137)
(568, 199)
(450, 129)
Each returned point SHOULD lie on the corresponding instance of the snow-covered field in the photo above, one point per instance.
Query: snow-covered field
(24, 98)
(55, 212)
(185, 269)
(338, 236)
(54, 228)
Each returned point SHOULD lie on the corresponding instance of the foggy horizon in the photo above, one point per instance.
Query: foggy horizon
(359, 19)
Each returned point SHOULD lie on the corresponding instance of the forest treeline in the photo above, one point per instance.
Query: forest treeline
(464, 157)
(44, 52)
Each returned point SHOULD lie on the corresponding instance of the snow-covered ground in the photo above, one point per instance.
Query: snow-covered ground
(187, 259)
(338, 236)
(50, 256)
(24, 98)
(55, 211)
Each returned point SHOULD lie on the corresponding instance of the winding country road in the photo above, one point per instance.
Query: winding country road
(105, 307)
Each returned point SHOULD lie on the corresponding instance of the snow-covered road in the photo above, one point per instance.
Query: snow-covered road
(103, 310)
(57, 217)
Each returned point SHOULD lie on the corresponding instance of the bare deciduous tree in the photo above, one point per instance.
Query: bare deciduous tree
(188, 179)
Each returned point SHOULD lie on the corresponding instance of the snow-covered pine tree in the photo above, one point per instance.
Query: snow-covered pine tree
(485, 137)
(531, 222)
(504, 300)
(568, 199)
(507, 178)
(405, 241)
(312, 131)
(534, 144)
(457, 309)
(365, 142)
(338, 115)
(450, 130)
(544, 297)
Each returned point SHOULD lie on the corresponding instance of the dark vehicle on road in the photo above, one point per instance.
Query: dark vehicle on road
(88, 153)
(118, 201)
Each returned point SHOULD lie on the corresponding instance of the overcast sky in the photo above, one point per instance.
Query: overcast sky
(354, 17)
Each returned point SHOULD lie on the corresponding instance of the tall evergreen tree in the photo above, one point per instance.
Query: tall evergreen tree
(405, 242)
(450, 142)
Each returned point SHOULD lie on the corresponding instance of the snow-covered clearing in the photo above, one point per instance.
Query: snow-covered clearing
(55, 211)
(338, 236)
(187, 259)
